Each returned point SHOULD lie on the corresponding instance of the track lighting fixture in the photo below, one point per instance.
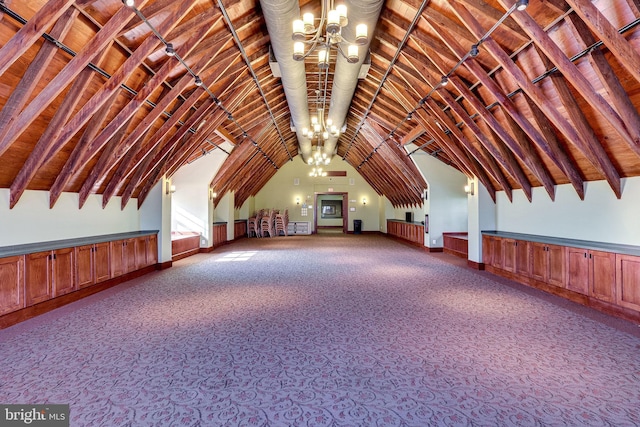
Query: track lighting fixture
(522, 4)
(444, 81)
(169, 50)
(474, 51)
(198, 81)
(128, 3)
(410, 117)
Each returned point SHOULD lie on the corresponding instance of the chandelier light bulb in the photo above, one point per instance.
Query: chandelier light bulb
(298, 30)
(361, 34)
(342, 12)
(352, 54)
(308, 19)
(329, 122)
(333, 22)
(298, 51)
(323, 59)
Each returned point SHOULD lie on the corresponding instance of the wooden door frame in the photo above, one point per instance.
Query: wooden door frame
(345, 209)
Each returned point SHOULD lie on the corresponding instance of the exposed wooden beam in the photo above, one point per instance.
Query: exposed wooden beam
(36, 69)
(79, 158)
(31, 31)
(626, 54)
(576, 78)
(40, 151)
(103, 38)
(526, 153)
(608, 78)
(413, 135)
(550, 147)
(497, 150)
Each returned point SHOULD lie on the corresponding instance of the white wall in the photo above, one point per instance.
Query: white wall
(482, 216)
(446, 203)
(281, 192)
(192, 209)
(155, 214)
(32, 221)
(600, 217)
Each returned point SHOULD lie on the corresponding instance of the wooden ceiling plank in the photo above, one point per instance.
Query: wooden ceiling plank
(109, 157)
(151, 175)
(497, 151)
(577, 79)
(109, 146)
(37, 68)
(413, 135)
(525, 153)
(41, 150)
(83, 156)
(495, 15)
(102, 38)
(111, 86)
(31, 32)
(579, 139)
(493, 123)
(404, 165)
(587, 142)
(496, 174)
(626, 54)
(603, 69)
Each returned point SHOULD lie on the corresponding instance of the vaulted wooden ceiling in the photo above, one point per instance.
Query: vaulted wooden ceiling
(90, 102)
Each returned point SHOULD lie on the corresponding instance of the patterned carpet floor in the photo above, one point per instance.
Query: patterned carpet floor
(326, 330)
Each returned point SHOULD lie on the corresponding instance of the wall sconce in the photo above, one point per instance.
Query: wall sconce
(469, 189)
(297, 200)
(168, 188)
(364, 200)
(212, 194)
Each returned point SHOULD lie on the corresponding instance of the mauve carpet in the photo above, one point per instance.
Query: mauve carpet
(329, 330)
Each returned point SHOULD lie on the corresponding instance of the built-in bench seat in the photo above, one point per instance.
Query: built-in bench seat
(456, 244)
(184, 244)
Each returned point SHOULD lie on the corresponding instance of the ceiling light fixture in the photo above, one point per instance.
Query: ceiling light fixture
(128, 3)
(169, 50)
(198, 81)
(522, 4)
(306, 32)
(474, 51)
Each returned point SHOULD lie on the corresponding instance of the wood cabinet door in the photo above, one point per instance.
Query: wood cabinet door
(129, 255)
(141, 252)
(38, 279)
(557, 265)
(497, 257)
(578, 270)
(152, 250)
(117, 258)
(11, 284)
(628, 281)
(539, 262)
(487, 250)
(522, 257)
(509, 257)
(102, 262)
(63, 272)
(84, 266)
(602, 283)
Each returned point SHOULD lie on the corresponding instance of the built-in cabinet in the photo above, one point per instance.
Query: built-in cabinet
(48, 275)
(219, 233)
(36, 277)
(600, 275)
(11, 284)
(547, 263)
(410, 231)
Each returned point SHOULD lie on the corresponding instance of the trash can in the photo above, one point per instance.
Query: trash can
(357, 226)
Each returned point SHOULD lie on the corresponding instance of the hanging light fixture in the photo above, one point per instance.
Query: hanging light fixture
(333, 20)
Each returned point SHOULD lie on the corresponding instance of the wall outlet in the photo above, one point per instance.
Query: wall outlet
(433, 241)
